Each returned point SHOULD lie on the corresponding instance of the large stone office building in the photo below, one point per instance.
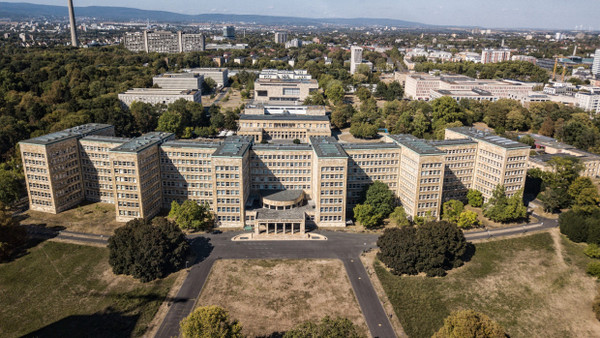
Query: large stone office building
(283, 90)
(252, 184)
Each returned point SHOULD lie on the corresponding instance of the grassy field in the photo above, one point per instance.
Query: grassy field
(534, 286)
(269, 296)
(65, 290)
(96, 218)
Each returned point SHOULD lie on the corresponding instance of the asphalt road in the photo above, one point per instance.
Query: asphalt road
(344, 246)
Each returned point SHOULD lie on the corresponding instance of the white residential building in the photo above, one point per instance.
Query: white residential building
(355, 58)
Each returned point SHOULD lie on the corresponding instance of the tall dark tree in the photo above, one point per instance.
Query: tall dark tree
(148, 250)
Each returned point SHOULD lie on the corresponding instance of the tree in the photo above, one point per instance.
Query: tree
(10, 186)
(467, 219)
(12, 234)
(502, 209)
(381, 198)
(327, 327)
(366, 215)
(363, 130)
(335, 92)
(452, 210)
(170, 122)
(147, 250)
(208, 85)
(145, 116)
(208, 322)
(399, 217)
(363, 93)
(433, 248)
(341, 114)
(574, 225)
(191, 215)
(475, 198)
(468, 323)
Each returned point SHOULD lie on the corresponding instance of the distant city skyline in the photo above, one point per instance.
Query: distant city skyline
(554, 14)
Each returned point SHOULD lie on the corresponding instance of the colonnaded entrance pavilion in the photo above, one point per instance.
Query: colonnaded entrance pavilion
(280, 214)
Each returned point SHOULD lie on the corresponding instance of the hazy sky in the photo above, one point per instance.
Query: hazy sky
(563, 14)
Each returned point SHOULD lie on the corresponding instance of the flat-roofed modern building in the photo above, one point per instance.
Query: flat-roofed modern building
(284, 127)
(159, 95)
(552, 148)
(282, 108)
(179, 81)
(472, 94)
(297, 74)
(219, 75)
(421, 86)
(268, 186)
(285, 90)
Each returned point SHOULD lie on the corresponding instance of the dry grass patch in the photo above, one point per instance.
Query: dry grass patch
(96, 218)
(524, 283)
(65, 290)
(269, 296)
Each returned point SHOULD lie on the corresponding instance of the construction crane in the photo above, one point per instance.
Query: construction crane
(562, 79)
(554, 71)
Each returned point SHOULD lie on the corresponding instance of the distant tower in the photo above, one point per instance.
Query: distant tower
(355, 58)
(74, 42)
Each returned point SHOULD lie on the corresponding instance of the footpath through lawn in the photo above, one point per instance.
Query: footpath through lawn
(66, 290)
(523, 283)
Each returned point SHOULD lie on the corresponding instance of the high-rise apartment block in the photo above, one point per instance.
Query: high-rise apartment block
(229, 32)
(164, 42)
(251, 184)
(495, 55)
(355, 58)
(596, 63)
(281, 37)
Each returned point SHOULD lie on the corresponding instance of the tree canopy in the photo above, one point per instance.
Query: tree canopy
(191, 215)
(469, 324)
(433, 248)
(378, 204)
(147, 250)
(504, 209)
(12, 234)
(208, 322)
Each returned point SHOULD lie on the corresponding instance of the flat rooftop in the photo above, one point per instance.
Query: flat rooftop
(278, 80)
(326, 146)
(283, 117)
(446, 143)
(417, 145)
(177, 75)
(160, 91)
(281, 146)
(106, 139)
(367, 146)
(191, 144)
(234, 146)
(77, 132)
(282, 196)
(488, 137)
(465, 93)
(140, 143)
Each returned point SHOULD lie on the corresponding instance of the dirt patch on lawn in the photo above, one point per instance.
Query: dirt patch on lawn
(95, 218)
(268, 296)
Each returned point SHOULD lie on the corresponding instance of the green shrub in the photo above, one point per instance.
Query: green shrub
(593, 268)
(592, 250)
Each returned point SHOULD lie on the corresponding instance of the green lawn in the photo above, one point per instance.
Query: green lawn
(66, 290)
(522, 283)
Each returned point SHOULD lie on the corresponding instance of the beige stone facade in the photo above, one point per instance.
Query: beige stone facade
(319, 181)
(283, 127)
(283, 90)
